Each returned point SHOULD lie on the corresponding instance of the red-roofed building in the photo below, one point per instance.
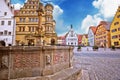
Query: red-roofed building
(91, 35)
(61, 40)
(16, 12)
(79, 39)
(102, 34)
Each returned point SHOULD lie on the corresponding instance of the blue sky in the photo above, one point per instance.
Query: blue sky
(80, 13)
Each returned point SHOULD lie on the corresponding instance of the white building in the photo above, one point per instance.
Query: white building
(91, 36)
(71, 38)
(7, 23)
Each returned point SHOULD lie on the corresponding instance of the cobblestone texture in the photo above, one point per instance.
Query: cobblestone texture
(98, 65)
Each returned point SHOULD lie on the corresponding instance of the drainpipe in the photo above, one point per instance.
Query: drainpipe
(13, 35)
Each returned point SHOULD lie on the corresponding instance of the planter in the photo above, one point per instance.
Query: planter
(95, 49)
(112, 49)
(78, 49)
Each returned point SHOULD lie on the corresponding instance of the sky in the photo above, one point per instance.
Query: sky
(80, 13)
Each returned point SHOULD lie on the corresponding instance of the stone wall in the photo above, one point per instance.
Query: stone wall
(31, 61)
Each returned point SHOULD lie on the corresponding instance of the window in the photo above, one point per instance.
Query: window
(21, 28)
(116, 43)
(114, 30)
(118, 16)
(8, 4)
(29, 19)
(5, 13)
(2, 22)
(31, 28)
(9, 22)
(116, 23)
(1, 33)
(5, 32)
(118, 29)
(22, 19)
(9, 33)
(114, 37)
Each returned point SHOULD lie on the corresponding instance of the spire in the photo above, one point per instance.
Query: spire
(71, 26)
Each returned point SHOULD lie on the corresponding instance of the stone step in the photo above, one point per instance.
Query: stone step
(84, 75)
(66, 74)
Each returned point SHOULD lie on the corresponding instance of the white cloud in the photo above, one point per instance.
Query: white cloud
(17, 6)
(106, 10)
(90, 21)
(26, 0)
(57, 11)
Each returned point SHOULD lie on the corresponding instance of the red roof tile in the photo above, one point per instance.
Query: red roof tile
(79, 36)
(16, 12)
(61, 37)
(93, 28)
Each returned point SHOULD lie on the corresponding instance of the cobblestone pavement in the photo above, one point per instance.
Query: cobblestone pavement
(100, 65)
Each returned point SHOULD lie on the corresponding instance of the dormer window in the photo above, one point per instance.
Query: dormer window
(5, 13)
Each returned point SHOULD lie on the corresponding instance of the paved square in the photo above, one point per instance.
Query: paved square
(98, 65)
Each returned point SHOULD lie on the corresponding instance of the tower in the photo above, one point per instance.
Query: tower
(50, 24)
(35, 23)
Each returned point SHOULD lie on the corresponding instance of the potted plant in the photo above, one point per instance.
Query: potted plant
(95, 48)
(79, 48)
(112, 47)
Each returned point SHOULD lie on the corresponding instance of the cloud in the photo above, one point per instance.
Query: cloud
(106, 11)
(17, 6)
(26, 1)
(90, 21)
(54, 1)
(107, 8)
(57, 11)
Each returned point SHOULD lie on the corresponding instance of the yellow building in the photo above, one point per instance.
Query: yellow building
(115, 29)
(84, 40)
(35, 24)
(102, 34)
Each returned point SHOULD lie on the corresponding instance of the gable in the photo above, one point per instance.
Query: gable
(5, 12)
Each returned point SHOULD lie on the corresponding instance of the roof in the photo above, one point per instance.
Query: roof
(16, 12)
(106, 24)
(93, 28)
(61, 37)
(66, 34)
(79, 36)
(71, 30)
